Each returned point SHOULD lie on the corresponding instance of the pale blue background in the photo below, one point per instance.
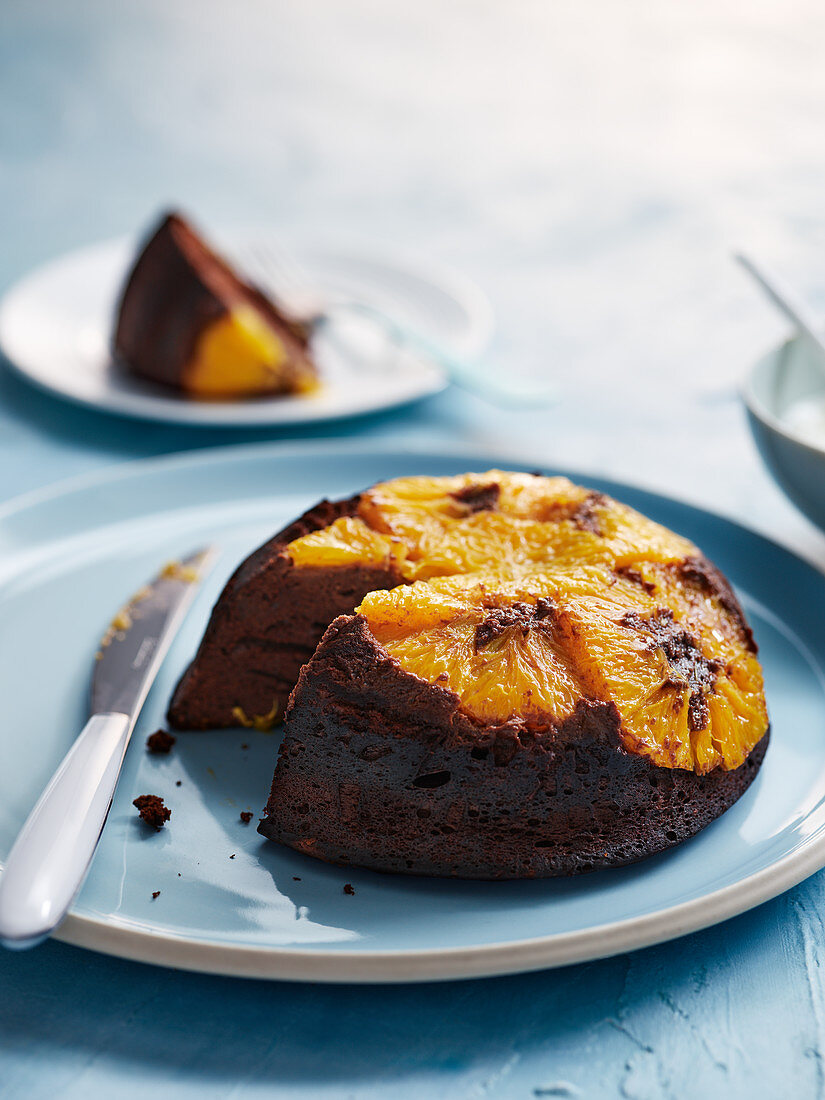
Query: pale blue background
(590, 162)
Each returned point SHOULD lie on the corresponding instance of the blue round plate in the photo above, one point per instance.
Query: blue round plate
(233, 903)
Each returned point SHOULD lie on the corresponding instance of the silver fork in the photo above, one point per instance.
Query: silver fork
(278, 273)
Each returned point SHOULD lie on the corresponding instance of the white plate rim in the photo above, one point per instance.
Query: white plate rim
(264, 412)
(428, 964)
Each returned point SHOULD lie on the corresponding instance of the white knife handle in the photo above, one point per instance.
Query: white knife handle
(50, 858)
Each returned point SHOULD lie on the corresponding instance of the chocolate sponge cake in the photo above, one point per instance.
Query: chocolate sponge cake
(384, 769)
(524, 678)
(187, 320)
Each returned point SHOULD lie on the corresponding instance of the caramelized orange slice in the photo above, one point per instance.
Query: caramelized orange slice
(529, 650)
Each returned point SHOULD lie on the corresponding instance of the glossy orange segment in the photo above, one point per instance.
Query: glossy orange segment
(240, 354)
(347, 541)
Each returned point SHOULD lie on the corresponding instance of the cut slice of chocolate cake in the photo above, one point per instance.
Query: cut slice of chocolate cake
(559, 724)
(188, 320)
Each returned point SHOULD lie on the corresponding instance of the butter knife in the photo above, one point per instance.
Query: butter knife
(54, 850)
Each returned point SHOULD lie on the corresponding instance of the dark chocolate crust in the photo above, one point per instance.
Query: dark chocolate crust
(380, 769)
(265, 626)
(704, 575)
(177, 287)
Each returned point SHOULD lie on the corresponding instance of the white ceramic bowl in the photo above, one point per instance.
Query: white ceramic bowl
(773, 392)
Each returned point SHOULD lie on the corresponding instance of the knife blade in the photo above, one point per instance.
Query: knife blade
(54, 849)
(138, 638)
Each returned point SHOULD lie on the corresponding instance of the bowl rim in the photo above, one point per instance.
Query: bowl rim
(766, 416)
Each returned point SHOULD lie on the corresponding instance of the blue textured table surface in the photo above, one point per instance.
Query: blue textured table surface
(591, 164)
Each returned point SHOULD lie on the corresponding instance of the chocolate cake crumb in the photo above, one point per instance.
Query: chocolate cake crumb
(152, 810)
(244, 746)
(499, 619)
(585, 516)
(296, 878)
(160, 742)
(689, 666)
(699, 572)
(349, 888)
(477, 498)
(632, 574)
(246, 816)
(232, 856)
(155, 894)
(706, 578)
(178, 782)
(581, 514)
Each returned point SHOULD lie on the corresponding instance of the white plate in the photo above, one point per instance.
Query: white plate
(69, 556)
(55, 327)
